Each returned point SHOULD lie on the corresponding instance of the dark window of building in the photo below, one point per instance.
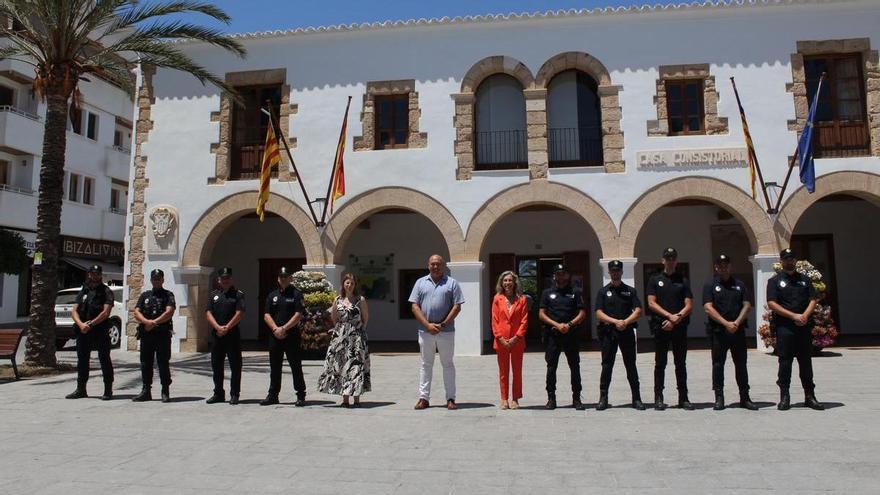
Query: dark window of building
(249, 126)
(684, 106)
(92, 129)
(76, 120)
(4, 173)
(73, 188)
(88, 191)
(7, 96)
(500, 140)
(574, 120)
(392, 121)
(841, 128)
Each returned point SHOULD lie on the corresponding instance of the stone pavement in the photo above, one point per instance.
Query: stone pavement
(53, 445)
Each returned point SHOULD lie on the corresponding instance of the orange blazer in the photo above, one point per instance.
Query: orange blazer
(507, 324)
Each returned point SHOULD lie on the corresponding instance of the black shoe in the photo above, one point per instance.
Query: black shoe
(719, 401)
(79, 393)
(638, 405)
(270, 400)
(746, 402)
(145, 395)
(603, 401)
(300, 402)
(811, 402)
(684, 403)
(551, 403)
(577, 404)
(108, 392)
(221, 397)
(784, 401)
(658, 401)
(233, 400)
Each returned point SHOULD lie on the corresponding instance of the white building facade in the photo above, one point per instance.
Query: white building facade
(96, 180)
(516, 142)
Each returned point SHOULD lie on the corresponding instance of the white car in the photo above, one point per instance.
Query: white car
(64, 320)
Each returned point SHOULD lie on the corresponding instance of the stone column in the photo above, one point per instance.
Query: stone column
(763, 266)
(197, 280)
(469, 329)
(536, 125)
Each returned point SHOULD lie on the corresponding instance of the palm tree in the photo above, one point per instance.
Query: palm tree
(68, 41)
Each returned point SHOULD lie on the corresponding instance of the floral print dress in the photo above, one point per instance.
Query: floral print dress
(347, 366)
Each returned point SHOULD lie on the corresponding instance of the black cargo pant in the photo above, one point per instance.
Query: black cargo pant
(278, 349)
(677, 338)
(156, 346)
(97, 339)
(228, 346)
(556, 344)
(611, 339)
(723, 341)
(795, 342)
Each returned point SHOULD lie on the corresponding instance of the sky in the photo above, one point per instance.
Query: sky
(264, 15)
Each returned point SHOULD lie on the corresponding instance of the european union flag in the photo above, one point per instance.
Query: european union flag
(805, 146)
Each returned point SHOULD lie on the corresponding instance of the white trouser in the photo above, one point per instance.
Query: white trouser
(444, 343)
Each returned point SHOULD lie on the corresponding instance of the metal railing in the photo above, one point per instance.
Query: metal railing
(499, 150)
(121, 149)
(117, 211)
(19, 190)
(575, 146)
(18, 111)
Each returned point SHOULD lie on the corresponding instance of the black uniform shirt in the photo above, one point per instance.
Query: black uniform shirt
(562, 305)
(223, 306)
(90, 302)
(728, 298)
(671, 291)
(618, 303)
(283, 304)
(793, 292)
(152, 304)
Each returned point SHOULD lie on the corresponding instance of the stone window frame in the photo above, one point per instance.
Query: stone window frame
(223, 148)
(535, 94)
(713, 124)
(367, 141)
(870, 71)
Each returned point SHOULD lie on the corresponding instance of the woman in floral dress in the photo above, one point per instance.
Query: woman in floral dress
(347, 366)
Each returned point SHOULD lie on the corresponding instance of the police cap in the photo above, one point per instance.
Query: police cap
(559, 267)
(157, 273)
(722, 258)
(670, 253)
(225, 272)
(284, 272)
(786, 254)
(615, 265)
(96, 269)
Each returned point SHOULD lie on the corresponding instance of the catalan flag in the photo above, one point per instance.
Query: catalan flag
(338, 176)
(753, 158)
(271, 158)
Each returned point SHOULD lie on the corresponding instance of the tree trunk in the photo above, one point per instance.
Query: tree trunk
(40, 348)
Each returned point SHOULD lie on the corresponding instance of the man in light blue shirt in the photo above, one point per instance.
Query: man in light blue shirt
(436, 300)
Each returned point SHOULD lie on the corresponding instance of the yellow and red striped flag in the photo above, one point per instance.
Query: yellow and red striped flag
(753, 158)
(271, 158)
(338, 189)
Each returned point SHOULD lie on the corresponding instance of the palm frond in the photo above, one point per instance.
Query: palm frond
(176, 30)
(138, 14)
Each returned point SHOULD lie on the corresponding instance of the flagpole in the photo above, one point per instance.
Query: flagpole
(283, 140)
(751, 150)
(796, 153)
(333, 170)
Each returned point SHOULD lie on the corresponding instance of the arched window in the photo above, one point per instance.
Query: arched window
(500, 124)
(574, 120)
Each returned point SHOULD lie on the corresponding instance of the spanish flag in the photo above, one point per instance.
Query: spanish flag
(338, 177)
(271, 158)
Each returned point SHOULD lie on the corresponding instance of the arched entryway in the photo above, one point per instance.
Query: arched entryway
(230, 234)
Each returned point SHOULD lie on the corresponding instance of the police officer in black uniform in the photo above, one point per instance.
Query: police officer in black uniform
(284, 310)
(562, 311)
(224, 312)
(727, 303)
(792, 298)
(92, 330)
(670, 302)
(618, 308)
(153, 313)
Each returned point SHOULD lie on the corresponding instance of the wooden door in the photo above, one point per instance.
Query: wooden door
(818, 249)
(268, 282)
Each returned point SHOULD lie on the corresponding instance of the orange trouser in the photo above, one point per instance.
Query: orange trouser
(505, 357)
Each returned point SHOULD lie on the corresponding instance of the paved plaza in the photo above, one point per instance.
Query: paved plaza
(53, 445)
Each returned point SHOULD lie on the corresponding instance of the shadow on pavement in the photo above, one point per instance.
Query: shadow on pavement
(472, 405)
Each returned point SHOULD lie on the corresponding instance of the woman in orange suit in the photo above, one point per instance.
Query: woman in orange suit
(510, 319)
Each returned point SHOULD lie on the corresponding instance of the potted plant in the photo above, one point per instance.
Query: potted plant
(318, 295)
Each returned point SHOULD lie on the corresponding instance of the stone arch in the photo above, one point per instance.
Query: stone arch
(540, 192)
(572, 60)
(497, 64)
(609, 100)
(208, 229)
(755, 221)
(355, 210)
(863, 185)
